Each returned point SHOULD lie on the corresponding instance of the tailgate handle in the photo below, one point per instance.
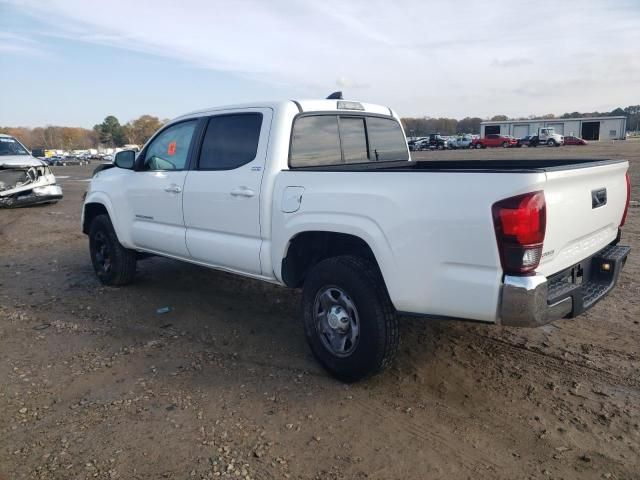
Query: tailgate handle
(598, 198)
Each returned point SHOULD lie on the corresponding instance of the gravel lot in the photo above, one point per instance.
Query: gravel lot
(96, 384)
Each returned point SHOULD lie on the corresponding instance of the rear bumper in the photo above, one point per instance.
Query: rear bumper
(535, 300)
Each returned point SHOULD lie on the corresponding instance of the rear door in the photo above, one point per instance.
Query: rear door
(222, 193)
(155, 190)
(584, 210)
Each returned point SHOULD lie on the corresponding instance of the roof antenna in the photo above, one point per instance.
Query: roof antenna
(335, 96)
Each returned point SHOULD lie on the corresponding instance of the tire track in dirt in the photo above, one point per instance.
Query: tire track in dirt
(559, 364)
(430, 438)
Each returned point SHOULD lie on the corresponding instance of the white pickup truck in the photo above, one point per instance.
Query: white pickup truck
(323, 195)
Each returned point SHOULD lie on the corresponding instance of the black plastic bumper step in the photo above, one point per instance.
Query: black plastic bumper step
(588, 281)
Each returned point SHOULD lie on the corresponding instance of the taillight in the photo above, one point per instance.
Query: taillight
(626, 206)
(520, 223)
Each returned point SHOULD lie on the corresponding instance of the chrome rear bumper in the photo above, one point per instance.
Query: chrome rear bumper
(532, 301)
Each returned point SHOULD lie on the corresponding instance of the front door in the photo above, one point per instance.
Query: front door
(222, 192)
(155, 191)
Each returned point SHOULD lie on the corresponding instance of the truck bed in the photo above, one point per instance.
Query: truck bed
(433, 234)
(475, 166)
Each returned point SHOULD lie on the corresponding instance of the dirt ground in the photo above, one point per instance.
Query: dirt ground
(94, 383)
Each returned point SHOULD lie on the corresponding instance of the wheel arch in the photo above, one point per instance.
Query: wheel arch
(305, 249)
(98, 203)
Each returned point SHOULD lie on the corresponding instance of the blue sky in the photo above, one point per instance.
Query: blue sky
(72, 62)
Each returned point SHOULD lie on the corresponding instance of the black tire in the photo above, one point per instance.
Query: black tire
(377, 341)
(113, 264)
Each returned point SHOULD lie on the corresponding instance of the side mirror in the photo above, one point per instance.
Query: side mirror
(125, 159)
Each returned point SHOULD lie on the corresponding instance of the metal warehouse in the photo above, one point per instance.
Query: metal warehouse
(589, 128)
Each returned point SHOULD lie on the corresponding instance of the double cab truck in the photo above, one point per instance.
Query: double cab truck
(323, 195)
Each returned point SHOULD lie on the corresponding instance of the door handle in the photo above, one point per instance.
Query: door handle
(173, 189)
(242, 192)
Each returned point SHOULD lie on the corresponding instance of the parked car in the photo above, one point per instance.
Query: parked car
(24, 180)
(362, 230)
(72, 160)
(437, 142)
(421, 145)
(416, 144)
(495, 140)
(462, 141)
(573, 140)
(526, 141)
(57, 160)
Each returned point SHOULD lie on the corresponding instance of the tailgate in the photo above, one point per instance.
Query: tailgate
(584, 210)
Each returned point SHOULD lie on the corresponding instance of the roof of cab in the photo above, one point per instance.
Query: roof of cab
(323, 105)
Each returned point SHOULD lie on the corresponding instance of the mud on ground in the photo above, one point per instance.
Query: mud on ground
(96, 384)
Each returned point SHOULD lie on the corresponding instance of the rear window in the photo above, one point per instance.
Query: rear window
(319, 140)
(315, 141)
(386, 140)
(230, 141)
(354, 139)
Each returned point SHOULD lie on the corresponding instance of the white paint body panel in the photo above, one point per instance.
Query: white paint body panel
(574, 229)
(222, 210)
(431, 231)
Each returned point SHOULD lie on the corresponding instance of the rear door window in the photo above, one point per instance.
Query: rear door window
(230, 141)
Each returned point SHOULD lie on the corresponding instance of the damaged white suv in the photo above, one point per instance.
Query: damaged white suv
(24, 180)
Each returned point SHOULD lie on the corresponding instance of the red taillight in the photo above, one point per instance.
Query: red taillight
(520, 224)
(626, 206)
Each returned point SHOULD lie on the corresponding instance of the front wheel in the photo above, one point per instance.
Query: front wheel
(349, 321)
(113, 263)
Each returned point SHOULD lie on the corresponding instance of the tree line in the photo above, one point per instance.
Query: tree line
(109, 133)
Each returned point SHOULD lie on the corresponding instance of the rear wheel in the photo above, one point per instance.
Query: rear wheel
(113, 263)
(349, 321)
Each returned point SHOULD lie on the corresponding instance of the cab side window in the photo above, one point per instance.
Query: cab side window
(170, 148)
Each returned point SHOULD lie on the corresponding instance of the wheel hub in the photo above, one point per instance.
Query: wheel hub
(337, 321)
(338, 318)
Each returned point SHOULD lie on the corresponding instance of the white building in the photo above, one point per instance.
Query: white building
(589, 128)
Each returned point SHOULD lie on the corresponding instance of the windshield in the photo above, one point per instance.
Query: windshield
(10, 146)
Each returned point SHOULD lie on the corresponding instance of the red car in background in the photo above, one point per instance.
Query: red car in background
(495, 140)
(571, 140)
